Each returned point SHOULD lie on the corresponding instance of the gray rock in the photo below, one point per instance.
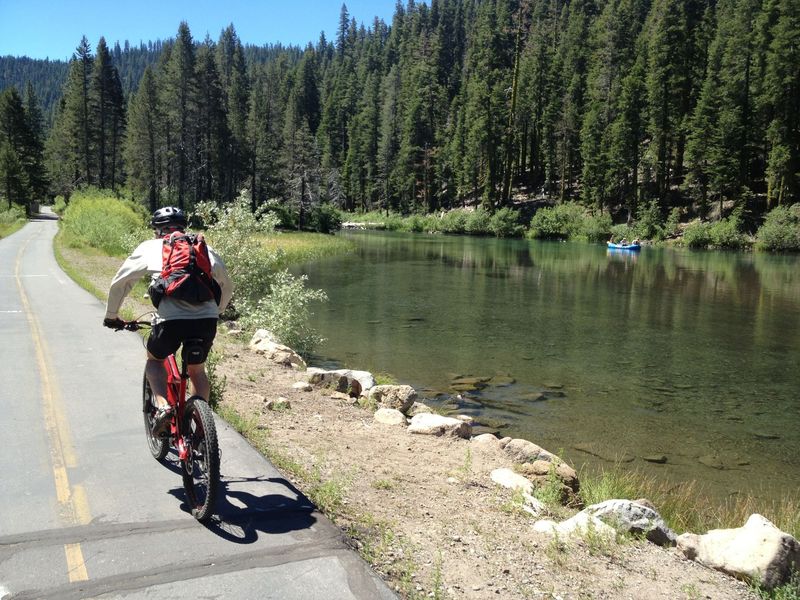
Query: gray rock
(432, 424)
(418, 408)
(302, 386)
(514, 481)
(486, 441)
(346, 381)
(264, 343)
(389, 416)
(627, 516)
(399, 397)
(758, 551)
(278, 404)
(524, 451)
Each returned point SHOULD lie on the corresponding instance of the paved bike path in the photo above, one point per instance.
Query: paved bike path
(84, 509)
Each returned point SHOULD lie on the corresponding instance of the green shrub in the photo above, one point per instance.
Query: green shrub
(725, 234)
(11, 219)
(672, 226)
(697, 235)
(505, 223)
(264, 296)
(98, 220)
(325, 218)
(478, 222)
(562, 221)
(59, 205)
(454, 221)
(781, 230)
(596, 228)
(649, 222)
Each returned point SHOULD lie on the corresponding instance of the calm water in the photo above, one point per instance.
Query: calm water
(692, 356)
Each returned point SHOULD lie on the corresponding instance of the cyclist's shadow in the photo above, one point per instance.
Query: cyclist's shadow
(240, 515)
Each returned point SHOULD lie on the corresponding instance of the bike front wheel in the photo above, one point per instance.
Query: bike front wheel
(158, 446)
(200, 469)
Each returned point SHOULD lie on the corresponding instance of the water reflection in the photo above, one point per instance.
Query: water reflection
(690, 355)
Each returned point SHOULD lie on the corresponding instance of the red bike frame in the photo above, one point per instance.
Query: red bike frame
(176, 396)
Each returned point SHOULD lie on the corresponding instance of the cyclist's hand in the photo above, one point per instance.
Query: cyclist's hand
(114, 323)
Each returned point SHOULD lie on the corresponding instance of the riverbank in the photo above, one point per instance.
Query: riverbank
(423, 510)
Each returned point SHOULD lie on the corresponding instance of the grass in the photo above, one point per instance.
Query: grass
(686, 506)
(11, 220)
(300, 247)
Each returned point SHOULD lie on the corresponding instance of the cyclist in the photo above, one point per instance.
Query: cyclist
(176, 320)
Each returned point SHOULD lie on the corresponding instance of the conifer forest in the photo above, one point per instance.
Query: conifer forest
(607, 103)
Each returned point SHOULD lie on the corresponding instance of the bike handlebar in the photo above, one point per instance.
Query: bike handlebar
(136, 325)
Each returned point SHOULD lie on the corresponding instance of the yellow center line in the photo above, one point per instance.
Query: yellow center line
(72, 500)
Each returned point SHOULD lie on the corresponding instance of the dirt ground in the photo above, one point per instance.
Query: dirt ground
(424, 511)
(421, 509)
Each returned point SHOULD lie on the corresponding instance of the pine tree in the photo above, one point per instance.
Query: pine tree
(145, 143)
(14, 182)
(179, 89)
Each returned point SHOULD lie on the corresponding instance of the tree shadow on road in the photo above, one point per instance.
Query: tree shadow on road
(241, 514)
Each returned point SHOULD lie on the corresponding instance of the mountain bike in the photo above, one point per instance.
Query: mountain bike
(192, 432)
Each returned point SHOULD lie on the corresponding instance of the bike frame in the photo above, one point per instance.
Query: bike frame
(176, 397)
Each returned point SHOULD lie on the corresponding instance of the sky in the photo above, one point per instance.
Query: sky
(52, 29)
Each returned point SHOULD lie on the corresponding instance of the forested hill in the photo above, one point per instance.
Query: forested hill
(48, 76)
(614, 103)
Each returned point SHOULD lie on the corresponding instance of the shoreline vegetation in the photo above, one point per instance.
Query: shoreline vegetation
(94, 235)
(779, 232)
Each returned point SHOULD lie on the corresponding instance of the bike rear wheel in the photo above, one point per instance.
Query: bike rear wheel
(200, 470)
(158, 446)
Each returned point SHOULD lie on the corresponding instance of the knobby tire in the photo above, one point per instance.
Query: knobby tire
(158, 446)
(201, 471)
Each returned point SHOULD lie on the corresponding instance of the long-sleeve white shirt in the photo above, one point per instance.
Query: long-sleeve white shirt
(146, 259)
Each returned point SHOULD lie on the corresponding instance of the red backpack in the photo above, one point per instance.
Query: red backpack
(185, 271)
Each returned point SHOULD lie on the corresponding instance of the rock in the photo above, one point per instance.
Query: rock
(504, 442)
(278, 404)
(509, 479)
(758, 551)
(466, 418)
(580, 524)
(341, 396)
(399, 397)
(524, 451)
(264, 343)
(302, 386)
(514, 481)
(486, 441)
(627, 516)
(502, 381)
(539, 471)
(389, 416)
(347, 381)
(655, 458)
(418, 408)
(431, 424)
(601, 453)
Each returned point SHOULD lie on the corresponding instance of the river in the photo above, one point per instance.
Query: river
(687, 357)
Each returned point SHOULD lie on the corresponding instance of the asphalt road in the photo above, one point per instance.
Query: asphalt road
(86, 512)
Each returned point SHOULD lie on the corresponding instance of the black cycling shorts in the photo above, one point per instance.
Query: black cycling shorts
(167, 336)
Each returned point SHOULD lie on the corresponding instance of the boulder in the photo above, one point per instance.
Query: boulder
(580, 524)
(523, 451)
(432, 424)
(418, 408)
(399, 397)
(539, 472)
(389, 416)
(264, 343)
(514, 481)
(627, 516)
(302, 386)
(486, 441)
(758, 551)
(347, 381)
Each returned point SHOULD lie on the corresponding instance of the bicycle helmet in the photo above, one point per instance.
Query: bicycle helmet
(169, 216)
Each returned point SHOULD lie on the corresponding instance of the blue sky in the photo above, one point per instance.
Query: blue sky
(52, 29)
